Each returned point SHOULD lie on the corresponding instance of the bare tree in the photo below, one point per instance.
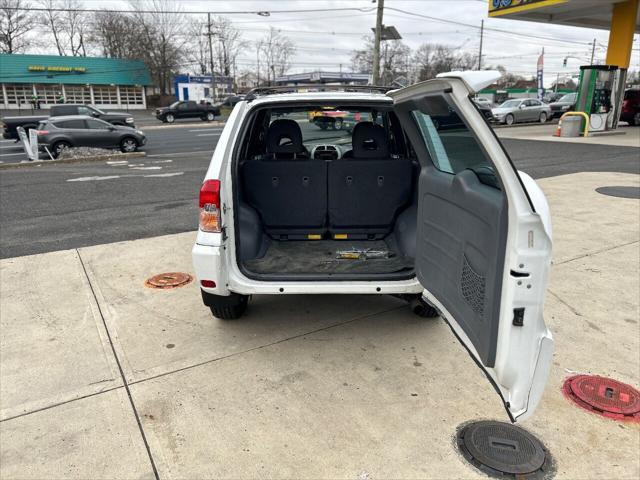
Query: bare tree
(394, 59)
(52, 20)
(116, 35)
(430, 59)
(229, 44)
(15, 23)
(275, 51)
(198, 51)
(161, 37)
(68, 25)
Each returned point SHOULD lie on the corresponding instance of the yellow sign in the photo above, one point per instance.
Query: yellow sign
(55, 68)
(505, 7)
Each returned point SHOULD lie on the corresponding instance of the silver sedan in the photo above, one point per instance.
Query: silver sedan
(522, 110)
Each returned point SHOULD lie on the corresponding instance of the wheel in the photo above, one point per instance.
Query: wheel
(210, 117)
(509, 119)
(337, 124)
(543, 117)
(422, 308)
(226, 308)
(169, 118)
(58, 148)
(128, 145)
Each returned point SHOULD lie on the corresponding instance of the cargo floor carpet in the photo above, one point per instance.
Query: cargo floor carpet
(320, 257)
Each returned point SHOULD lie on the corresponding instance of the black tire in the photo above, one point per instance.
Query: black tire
(226, 308)
(128, 145)
(209, 117)
(337, 124)
(169, 118)
(422, 308)
(509, 119)
(58, 147)
(543, 117)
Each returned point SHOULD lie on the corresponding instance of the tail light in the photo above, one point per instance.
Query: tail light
(210, 220)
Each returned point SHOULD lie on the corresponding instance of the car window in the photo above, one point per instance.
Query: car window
(97, 124)
(70, 124)
(82, 110)
(632, 95)
(510, 104)
(454, 148)
(568, 98)
(534, 103)
(183, 106)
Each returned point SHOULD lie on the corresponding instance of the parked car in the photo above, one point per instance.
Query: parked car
(566, 103)
(631, 107)
(57, 133)
(522, 110)
(187, 109)
(230, 100)
(63, 110)
(439, 218)
(483, 101)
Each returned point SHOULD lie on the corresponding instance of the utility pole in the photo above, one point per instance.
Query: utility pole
(593, 51)
(481, 38)
(209, 34)
(376, 44)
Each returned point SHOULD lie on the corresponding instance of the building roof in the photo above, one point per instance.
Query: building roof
(72, 70)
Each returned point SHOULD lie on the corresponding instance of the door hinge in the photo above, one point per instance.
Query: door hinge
(518, 317)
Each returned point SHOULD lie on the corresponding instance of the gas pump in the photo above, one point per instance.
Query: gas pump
(600, 95)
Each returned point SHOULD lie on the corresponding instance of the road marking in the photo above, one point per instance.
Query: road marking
(162, 161)
(90, 179)
(209, 135)
(119, 162)
(145, 168)
(7, 141)
(157, 175)
(205, 129)
(11, 154)
(177, 153)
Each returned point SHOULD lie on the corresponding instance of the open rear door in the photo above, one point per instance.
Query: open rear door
(484, 239)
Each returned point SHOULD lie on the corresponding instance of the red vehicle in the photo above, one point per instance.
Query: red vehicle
(631, 107)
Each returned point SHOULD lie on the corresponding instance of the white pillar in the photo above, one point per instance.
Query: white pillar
(64, 92)
(144, 97)
(118, 95)
(93, 102)
(5, 102)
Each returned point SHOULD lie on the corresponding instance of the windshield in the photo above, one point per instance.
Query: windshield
(569, 98)
(174, 105)
(510, 104)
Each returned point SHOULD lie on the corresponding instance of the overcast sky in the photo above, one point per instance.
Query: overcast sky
(324, 40)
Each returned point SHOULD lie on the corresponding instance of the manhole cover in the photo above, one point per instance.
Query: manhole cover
(604, 396)
(168, 280)
(504, 450)
(622, 192)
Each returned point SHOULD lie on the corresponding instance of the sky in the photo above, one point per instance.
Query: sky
(325, 40)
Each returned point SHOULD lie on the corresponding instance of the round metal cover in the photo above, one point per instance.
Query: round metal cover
(169, 280)
(604, 396)
(504, 450)
(621, 192)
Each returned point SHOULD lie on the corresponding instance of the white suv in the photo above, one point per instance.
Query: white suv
(417, 199)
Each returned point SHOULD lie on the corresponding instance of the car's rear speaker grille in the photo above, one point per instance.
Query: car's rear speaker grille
(472, 285)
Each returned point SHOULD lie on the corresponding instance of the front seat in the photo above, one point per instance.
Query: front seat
(288, 190)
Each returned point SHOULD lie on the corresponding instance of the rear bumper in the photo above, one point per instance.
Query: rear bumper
(208, 264)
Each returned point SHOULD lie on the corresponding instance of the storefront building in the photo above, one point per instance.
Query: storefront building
(202, 87)
(50, 79)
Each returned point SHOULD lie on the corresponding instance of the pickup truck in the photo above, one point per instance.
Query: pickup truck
(187, 109)
(64, 110)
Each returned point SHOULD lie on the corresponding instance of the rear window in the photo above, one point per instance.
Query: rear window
(632, 95)
(70, 124)
(451, 145)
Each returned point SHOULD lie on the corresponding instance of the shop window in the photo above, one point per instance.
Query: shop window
(48, 93)
(105, 95)
(131, 95)
(77, 94)
(19, 94)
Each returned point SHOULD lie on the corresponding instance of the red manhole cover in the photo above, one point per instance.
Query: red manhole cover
(168, 280)
(604, 396)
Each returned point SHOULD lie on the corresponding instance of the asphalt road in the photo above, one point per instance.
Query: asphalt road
(57, 207)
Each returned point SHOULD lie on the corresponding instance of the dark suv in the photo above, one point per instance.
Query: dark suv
(56, 134)
(188, 109)
(631, 107)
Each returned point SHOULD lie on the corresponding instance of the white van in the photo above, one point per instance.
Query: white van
(409, 194)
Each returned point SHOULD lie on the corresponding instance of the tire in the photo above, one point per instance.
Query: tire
(209, 117)
(337, 124)
(422, 308)
(58, 147)
(169, 118)
(543, 117)
(128, 145)
(509, 119)
(226, 308)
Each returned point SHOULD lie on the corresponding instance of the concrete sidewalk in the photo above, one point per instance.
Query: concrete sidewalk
(624, 136)
(101, 377)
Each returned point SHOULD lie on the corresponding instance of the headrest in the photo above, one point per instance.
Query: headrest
(369, 140)
(284, 136)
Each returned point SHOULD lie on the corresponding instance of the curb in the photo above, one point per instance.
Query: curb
(95, 158)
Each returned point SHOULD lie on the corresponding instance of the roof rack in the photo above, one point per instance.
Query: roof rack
(315, 87)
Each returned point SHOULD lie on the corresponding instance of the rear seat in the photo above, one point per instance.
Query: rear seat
(288, 190)
(367, 190)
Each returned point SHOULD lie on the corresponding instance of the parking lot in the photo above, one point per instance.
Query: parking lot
(102, 377)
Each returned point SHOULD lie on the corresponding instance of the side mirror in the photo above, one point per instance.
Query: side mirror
(95, 114)
(522, 105)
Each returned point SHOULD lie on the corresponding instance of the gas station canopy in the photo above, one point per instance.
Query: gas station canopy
(575, 13)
